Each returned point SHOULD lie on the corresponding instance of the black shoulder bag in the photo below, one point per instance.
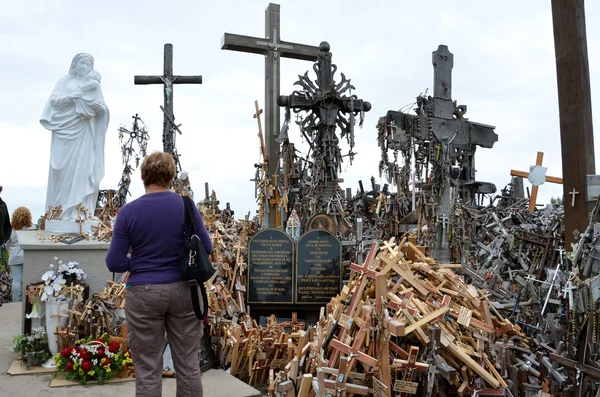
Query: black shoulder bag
(194, 264)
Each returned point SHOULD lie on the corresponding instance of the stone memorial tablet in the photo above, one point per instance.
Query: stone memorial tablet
(270, 268)
(318, 267)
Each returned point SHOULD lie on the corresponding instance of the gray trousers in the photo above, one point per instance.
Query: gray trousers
(150, 309)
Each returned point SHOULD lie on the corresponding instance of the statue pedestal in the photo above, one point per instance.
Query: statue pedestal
(39, 254)
(60, 226)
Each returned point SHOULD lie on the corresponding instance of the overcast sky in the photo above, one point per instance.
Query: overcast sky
(504, 71)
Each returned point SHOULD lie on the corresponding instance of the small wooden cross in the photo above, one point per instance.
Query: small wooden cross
(409, 366)
(573, 193)
(294, 324)
(61, 335)
(354, 350)
(338, 386)
(381, 201)
(82, 211)
(275, 201)
(534, 189)
(366, 266)
(260, 131)
(80, 221)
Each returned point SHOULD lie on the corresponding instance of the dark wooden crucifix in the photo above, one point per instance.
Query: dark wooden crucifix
(575, 109)
(168, 79)
(273, 48)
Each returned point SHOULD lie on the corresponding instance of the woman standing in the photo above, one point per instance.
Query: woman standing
(21, 220)
(147, 241)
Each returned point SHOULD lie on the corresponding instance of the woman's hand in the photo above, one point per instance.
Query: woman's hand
(75, 96)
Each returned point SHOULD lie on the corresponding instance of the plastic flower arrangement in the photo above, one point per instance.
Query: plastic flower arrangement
(92, 360)
(33, 348)
(59, 277)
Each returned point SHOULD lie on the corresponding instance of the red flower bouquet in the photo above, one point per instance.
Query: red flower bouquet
(92, 360)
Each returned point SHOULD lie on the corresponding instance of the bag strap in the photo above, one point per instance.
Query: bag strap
(190, 218)
(201, 313)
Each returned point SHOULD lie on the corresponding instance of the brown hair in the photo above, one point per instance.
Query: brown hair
(158, 169)
(21, 218)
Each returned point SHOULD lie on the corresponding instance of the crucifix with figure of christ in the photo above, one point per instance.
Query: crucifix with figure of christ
(168, 79)
(273, 48)
(537, 176)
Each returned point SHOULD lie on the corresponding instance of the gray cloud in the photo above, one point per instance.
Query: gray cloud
(504, 72)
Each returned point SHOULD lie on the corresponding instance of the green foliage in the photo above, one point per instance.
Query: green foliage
(556, 201)
(32, 346)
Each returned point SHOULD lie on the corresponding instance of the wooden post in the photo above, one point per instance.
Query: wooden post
(575, 109)
(273, 48)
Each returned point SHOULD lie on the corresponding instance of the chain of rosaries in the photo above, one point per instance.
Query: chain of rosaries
(594, 315)
(567, 320)
(574, 329)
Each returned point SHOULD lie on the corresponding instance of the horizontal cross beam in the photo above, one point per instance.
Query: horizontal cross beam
(142, 80)
(586, 369)
(523, 174)
(462, 132)
(257, 45)
(351, 351)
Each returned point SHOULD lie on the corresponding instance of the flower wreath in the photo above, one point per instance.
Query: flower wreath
(92, 360)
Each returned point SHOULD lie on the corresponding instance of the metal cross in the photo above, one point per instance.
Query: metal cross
(167, 80)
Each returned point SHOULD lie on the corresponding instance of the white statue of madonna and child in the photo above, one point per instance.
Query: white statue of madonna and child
(78, 118)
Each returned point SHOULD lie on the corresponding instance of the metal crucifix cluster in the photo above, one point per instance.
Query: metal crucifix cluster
(438, 146)
(329, 105)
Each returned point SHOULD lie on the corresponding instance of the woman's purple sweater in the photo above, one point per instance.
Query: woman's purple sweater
(152, 226)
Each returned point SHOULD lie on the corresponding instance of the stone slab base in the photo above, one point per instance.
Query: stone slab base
(60, 226)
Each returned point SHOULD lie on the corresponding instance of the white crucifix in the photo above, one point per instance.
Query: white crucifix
(414, 183)
(573, 193)
(568, 291)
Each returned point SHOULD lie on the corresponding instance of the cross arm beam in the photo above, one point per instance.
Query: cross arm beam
(593, 372)
(258, 45)
(523, 174)
(481, 134)
(142, 80)
(307, 103)
(147, 80)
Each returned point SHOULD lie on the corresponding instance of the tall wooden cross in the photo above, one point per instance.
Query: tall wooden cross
(575, 109)
(534, 190)
(168, 79)
(274, 49)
